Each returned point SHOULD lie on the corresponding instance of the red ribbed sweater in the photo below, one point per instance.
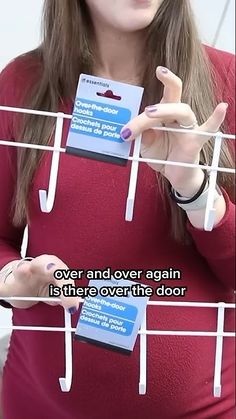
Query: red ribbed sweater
(87, 230)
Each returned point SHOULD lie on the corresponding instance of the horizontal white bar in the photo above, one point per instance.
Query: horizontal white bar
(34, 112)
(190, 304)
(39, 299)
(33, 146)
(186, 333)
(151, 303)
(194, 131)
(146, 332)
(66, 116)
(140, 159)
(173, 163)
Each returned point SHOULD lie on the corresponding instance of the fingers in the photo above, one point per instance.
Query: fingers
(172, 112)
(136, 126)
(172, 95)
(172, 85)
(45, 266)
(158, 114)
(32, 279)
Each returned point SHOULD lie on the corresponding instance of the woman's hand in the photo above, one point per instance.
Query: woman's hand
(32, 279)
(179, 147)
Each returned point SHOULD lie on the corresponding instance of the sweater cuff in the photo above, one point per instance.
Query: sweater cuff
(220, 242)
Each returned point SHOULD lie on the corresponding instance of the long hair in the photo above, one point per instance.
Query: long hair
(67, 49)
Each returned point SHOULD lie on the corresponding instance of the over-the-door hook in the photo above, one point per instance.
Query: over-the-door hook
(65, 382)
(46, 199)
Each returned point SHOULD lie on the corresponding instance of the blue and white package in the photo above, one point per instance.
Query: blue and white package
(102, 107)
(112, 322)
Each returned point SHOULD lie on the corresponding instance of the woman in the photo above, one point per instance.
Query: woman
(153, 44)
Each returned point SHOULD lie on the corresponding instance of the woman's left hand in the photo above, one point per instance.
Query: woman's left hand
(179, 147)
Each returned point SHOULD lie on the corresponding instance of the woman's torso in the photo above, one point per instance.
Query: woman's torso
(87, 230)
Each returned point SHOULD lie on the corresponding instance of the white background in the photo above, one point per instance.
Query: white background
(20, 32)
(20, 25)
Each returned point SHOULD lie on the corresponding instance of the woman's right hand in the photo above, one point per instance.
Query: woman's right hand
(32, 279)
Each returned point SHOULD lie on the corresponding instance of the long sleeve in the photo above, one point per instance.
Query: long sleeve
(218, 246)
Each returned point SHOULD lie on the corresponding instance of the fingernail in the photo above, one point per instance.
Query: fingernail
(151, 108)
(50, 266)
(164, 70)
(125, 134)
(226, 105)
(72, 310)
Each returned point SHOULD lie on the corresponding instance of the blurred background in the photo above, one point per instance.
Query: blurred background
(20, 32)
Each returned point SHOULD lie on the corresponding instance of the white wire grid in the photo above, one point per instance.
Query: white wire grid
(47, 198)
(219, 334)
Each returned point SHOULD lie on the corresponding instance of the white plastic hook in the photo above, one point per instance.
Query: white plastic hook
(143, 357)
(47, 199)
(133, 180)
(210, 210)
(65, 383)
(219, 350)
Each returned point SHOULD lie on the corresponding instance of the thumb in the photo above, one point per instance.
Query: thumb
(216, 119)
(70, 303)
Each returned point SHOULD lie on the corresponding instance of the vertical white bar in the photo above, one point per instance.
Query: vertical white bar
(133, 180)
(219, 350)
(25, 242)
(143, 356)
(210, 210)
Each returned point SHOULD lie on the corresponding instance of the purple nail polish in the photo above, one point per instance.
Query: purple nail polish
(164, 70)
(126, 134)
(151, 108)
(50, 266)
(72, 310)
